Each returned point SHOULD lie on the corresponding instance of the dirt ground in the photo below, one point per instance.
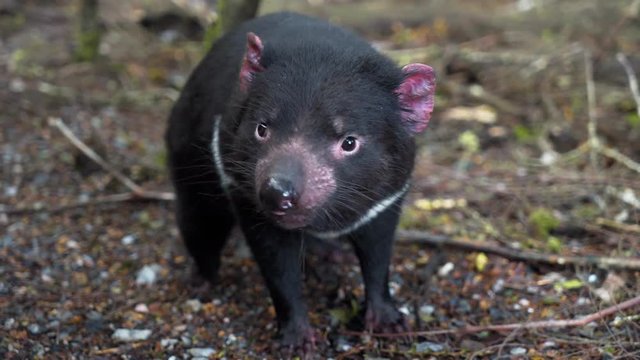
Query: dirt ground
(508, 160)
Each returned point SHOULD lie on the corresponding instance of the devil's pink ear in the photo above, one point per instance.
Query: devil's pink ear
(251, 61)
(416, 95)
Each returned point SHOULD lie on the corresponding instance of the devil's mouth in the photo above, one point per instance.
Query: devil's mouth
(290, 221)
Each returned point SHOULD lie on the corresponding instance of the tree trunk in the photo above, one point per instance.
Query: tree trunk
(230, 14)
(88, 31)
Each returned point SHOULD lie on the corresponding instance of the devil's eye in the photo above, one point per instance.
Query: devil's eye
(349, 144)
(262, 131)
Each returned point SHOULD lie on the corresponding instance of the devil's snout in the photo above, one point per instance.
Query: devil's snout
(278, 195)
(280, 189)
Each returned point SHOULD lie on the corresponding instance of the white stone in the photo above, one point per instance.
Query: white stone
(128, 335)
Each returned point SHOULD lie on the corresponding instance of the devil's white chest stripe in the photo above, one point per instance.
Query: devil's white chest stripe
(226, 181)
(376, 209)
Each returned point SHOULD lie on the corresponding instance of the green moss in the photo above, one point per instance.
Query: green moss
(87, 45)
(524, 134)
(633, 120)
(469, 141)
(543, 221)
(586, 212)
(554, 244)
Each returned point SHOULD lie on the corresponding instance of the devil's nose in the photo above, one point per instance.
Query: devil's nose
(278, 194)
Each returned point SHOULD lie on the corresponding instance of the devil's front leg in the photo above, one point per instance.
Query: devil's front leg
(279, 255)
(373, 245)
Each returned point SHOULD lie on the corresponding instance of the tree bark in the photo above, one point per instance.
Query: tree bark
(88, 32)
(230, 14)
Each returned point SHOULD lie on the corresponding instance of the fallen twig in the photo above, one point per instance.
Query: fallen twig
(594, 142)
(542, 324)
(633, 80)
(515, 254)
(137, 193)
(101, 200)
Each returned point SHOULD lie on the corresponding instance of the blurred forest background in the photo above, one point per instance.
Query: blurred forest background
(525, 203)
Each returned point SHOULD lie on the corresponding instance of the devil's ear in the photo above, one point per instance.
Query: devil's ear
(251, 61)
(416, 96)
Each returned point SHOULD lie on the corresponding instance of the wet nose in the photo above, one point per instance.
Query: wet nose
(278, 195)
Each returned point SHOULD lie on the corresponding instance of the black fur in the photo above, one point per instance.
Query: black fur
(314, 72)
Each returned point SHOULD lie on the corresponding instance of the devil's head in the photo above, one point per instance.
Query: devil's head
(325, 134)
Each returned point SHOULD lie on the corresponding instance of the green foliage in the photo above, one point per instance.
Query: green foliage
(633, 120)
(586, 212)
(345, 315)
(572, 284)
(554, 244)
(11, 23)
(543, 221)
(469, 142)
(524, 134)
(87, 45)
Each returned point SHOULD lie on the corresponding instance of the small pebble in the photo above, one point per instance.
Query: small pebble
(518, 351)
(427, 346)
(445, 269)
(34, 329)
(17, 85)
(498, 286)
(583, 301)
(168, 343)
(343, 345)
(11, 191)
(549, 344)
(201, 352)
(186, 341)
(231, 339)
(128, 239)
(405, 310)
(142, 308)
(8, 324)
(427, 309)
(148, 274)
(194, 304)
(128, 335)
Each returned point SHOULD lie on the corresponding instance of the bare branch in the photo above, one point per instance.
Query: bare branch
(137, 190)
(591, 108)
(518, 255)
(633, 80)
(98, 201)
(543, 324)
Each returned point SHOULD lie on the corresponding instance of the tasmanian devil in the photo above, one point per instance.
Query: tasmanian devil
(296, 129)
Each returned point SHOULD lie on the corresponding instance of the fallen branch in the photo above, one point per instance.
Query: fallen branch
(633, 80)
(542, 324)
(101, 200)
(594, 142)
(516, 254)
(137, 192)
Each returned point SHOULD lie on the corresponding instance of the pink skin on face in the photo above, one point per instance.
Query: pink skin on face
(319, 182)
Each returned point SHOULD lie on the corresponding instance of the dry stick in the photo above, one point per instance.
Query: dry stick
(136, 190)
(101, 200)
(593, 144)
(633, 80)
(519, 255)
(542, 324)
(591, 108)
